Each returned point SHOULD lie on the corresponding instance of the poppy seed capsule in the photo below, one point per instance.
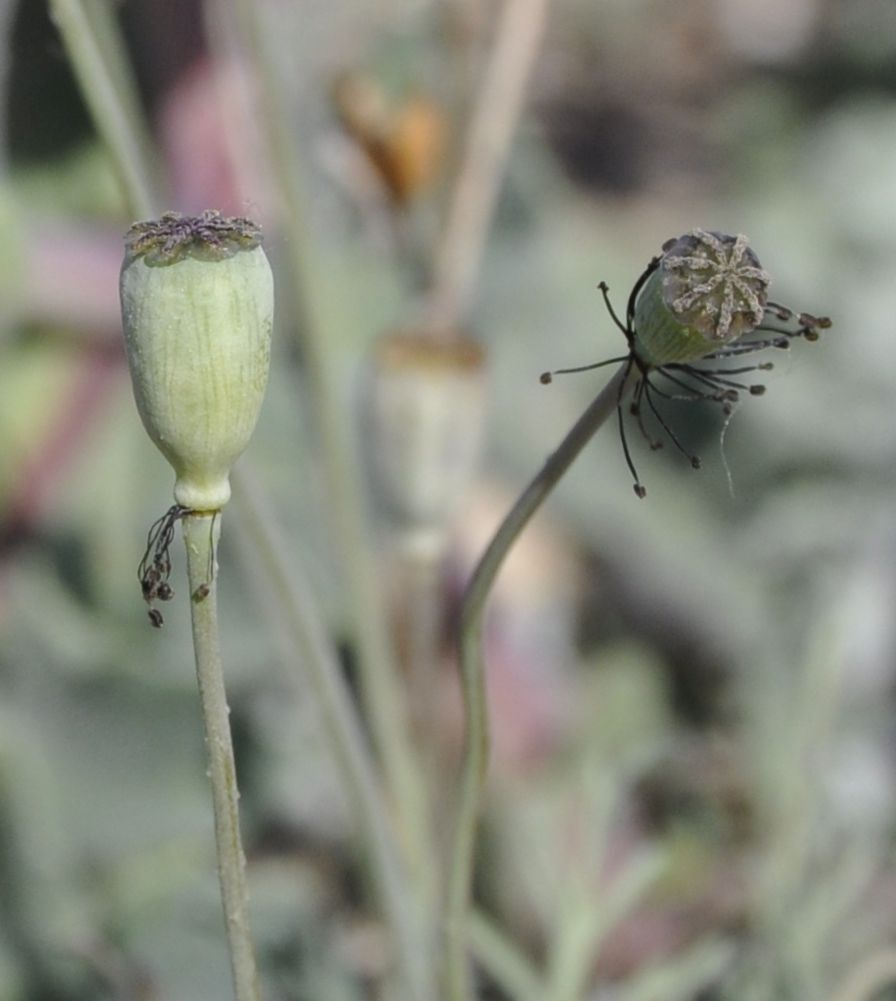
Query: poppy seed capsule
(707, 290)
(197, 305)
(423, 428)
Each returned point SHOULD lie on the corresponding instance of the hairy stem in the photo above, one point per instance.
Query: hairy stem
(200, 535)
(472, 668)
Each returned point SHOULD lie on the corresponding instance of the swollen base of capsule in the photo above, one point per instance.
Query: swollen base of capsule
(209, 495)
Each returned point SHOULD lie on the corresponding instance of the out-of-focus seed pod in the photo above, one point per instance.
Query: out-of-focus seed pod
(708, 290)
(197, 304)
(411, 153)
(404, 140)
(423, 431)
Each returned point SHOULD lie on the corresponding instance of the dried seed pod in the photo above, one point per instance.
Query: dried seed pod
(707, 290)
(403, 139)
(197, 306)
(411, 152)
(697, 310)
(423, 430)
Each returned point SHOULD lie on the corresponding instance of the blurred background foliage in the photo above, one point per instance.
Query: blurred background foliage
(692, 790)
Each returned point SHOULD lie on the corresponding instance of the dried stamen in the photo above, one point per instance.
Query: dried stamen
(155, 567)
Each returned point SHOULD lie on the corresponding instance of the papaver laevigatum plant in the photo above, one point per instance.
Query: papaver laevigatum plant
(197, 304)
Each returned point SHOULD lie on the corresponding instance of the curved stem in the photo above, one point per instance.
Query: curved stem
(110, 95)
(472, 668)
(201, 532)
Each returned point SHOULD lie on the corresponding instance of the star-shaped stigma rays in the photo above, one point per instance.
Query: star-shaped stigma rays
(715, 284)
(209, 236)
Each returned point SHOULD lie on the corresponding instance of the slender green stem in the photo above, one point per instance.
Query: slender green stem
(103, 17)
(380, 694)
(35, 865)
(200, 535)
(492, 126)
(110, 99)
(586, 920)
(505, 962)
(422, 608)
(292, 607)
(472, 668)
(869, 977)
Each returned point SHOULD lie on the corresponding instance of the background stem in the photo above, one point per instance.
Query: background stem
(487, 147)
(869, 977)
(291, 606)
(384, 708)
(472, 668)
(200, 536)
(108, 88)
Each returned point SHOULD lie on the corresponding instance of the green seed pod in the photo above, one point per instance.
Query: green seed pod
(423, 429)
(197, 304)
(707, 290)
